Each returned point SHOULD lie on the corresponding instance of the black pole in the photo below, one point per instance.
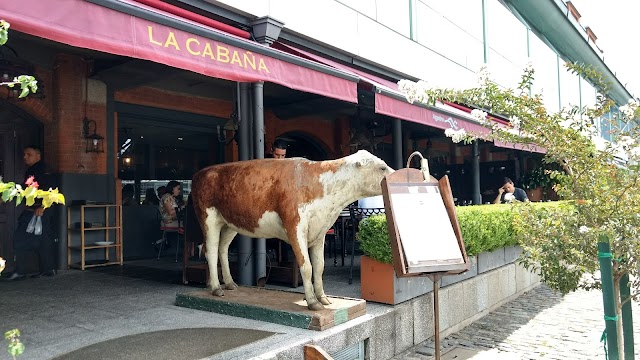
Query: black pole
(258, 151)
(476, 197)
(111, 140)
(396, 139)
(245, 244)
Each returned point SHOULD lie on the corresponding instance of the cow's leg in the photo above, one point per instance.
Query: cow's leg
(316, 253)
(302, 257)
(226, 236)
(213, 227)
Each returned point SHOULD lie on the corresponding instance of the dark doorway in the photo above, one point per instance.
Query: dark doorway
(303, 145)
(17, 130)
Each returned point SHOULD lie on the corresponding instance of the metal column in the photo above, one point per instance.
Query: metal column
(396, 139)
(476, 197)
(245, 243)
(260, 246)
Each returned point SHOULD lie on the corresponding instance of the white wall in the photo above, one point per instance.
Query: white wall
(445, 46)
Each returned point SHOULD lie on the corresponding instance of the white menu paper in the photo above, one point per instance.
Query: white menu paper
(424, 226)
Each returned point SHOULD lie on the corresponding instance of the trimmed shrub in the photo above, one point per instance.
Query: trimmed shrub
(484, 228)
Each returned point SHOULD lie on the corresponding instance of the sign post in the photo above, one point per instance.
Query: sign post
(423, 228)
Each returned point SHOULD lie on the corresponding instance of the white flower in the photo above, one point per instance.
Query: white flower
(414, 91)
(409, 89)
(515, 122)
(629, 109)
(509, 197)
(583, 229)
(529, 67)
(635, 151)
(456, 135)
(484, 75)
(479, 115)
(626, 141)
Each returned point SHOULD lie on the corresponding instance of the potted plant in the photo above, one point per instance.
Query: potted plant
(538, 183)
(489, 240)
(378, 280)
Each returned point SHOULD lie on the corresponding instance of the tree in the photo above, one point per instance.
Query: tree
(597, 178)
(28, 83)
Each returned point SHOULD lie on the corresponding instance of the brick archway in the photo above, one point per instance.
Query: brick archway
(305, 144)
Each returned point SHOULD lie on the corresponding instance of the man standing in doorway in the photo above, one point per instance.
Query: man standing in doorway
(279, 149)
(24, 242)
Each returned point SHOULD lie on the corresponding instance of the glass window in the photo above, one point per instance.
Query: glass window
(503, 71)
(395, 15)
(587, 93)
(605, 126)
(445, 37)
(505, 33)
(366, 7)
(545, 63)
(569, 88)
(467, 14)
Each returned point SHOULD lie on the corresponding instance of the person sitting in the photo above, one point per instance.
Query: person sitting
(128, 195)
(508, 192)
(150, 197)
(169, 206)
(161, 192)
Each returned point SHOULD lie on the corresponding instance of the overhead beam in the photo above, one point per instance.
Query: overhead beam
(309, 107)
(133, 74)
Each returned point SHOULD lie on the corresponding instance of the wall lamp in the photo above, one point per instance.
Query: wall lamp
(95, 142)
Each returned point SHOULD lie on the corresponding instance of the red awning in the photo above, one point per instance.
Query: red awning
(366, 77)
(389, 101)
(202, 49)
(400, 108)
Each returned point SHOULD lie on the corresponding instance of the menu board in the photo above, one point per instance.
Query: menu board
(424, 226)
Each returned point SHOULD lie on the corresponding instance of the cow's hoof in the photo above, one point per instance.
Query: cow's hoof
(315, 306)
(217, 292)
(324, 300)
(231, 286)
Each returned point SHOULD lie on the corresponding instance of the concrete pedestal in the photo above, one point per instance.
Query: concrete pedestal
(280, 307)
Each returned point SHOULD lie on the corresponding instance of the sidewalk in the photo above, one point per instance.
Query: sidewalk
(538, 325)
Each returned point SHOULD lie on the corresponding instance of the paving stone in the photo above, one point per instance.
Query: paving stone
(539, 324)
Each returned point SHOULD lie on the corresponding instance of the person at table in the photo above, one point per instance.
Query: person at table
(508, 193)
(150, 197)
(169, 207)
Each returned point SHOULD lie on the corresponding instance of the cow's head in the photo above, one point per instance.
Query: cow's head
(368, 171)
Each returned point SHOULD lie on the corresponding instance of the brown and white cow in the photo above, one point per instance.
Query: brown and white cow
(296, 200)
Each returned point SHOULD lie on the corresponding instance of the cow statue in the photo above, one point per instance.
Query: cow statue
(295, 200)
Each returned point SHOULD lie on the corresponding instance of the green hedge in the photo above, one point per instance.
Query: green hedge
(484, 228)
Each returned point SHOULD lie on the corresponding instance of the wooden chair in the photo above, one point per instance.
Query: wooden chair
(179, 230)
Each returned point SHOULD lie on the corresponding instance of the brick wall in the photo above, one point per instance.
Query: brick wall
(71, 88)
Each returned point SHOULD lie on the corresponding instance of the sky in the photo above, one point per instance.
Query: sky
(614, 22)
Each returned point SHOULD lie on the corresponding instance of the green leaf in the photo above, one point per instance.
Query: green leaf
(24, 92)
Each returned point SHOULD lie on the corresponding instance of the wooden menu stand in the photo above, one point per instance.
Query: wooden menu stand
(423, 228)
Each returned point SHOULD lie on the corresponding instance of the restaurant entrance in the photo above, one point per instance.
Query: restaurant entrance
(16, 131)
